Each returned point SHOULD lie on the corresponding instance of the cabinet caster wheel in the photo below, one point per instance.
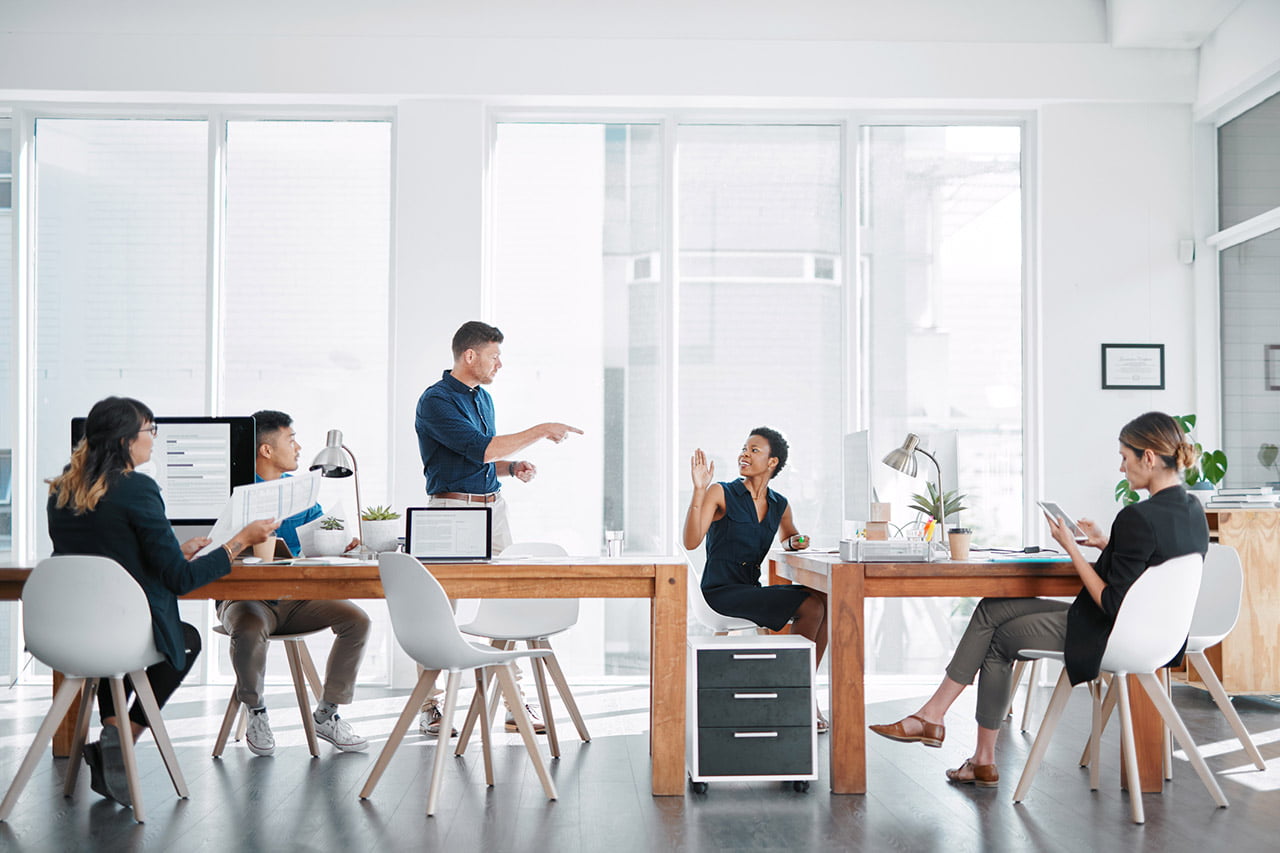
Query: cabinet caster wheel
(698, 787)
(800, 786)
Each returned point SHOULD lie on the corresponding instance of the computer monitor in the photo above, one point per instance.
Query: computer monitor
(197, 461)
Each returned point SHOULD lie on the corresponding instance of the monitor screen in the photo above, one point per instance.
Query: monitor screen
(197, 461)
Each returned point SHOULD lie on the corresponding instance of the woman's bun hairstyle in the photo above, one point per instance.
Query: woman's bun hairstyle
(1161, 434)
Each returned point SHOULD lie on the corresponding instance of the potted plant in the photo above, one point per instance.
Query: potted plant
(330, 538)
(1267, 454)
(381, 527)
(931, 505)
(1202, 478)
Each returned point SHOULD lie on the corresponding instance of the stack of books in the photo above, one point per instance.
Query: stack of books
(1257, 497)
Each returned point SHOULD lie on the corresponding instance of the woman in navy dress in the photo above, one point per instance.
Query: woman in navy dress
(739, 520)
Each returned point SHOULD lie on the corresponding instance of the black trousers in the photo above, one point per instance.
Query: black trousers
(164, 678)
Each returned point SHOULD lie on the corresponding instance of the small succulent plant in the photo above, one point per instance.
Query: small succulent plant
(379, 513)
(332, 522)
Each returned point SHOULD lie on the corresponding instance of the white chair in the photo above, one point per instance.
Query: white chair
(300, 666)
(701, 612)
(424, 627)
(1149, 629)
(1216, 613)
(87, 618)
(506, 621)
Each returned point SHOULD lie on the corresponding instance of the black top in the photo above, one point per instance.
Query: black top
(1168, 524)
(130, 527)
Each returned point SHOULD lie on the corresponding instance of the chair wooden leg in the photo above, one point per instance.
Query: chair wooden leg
(504, 645)
(309, 667)
(442, 742)
(473, 714)
(1057, 703)
(411, 709)
(229, 719)
(242, 722)
(1127, 748)
(1019, 667)
(1166, 742)
(147, 698)
(544, 699)
(300, 690)
(1095, 736)
(1210, 680)
(1108, 705)
(125, 728)
(87, 696)
(1171, 719)
(507, 683)
(486, 734)
(566, 695)
(1037, 667)
(61, 702)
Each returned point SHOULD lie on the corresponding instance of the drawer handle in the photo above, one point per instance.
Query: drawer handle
(756, 657)
(755, 734)
(755, 696)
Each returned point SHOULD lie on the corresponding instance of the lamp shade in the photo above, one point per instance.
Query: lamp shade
(903, 458)
(333, 460)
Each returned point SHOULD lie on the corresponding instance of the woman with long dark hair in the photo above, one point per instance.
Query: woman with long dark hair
(99, 505)
(1169, 523)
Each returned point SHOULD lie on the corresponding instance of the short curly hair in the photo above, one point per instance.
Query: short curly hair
(778, 447)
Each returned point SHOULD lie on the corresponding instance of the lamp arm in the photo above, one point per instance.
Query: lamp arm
(355, 473)
(942, 503)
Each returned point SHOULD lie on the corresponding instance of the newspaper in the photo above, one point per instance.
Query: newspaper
(278, 499)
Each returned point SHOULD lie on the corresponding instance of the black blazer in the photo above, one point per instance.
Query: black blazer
(1168, 524)
(130, 527)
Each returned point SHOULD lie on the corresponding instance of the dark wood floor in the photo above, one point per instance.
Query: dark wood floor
(293, 803)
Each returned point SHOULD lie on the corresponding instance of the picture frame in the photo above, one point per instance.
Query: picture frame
(1134, 367)
(1271, 362)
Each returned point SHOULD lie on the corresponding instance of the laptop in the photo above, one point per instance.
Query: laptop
(446, 534)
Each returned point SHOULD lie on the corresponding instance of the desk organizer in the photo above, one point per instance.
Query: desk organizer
(752, 710)
(888, 551)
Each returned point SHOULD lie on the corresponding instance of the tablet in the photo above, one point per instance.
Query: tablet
(1057, 512)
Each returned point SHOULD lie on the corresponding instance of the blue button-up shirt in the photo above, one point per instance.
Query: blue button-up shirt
(455, 424)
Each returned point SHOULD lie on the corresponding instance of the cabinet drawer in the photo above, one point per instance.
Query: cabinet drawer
(743, 706)
(763, 667)
(780, 751)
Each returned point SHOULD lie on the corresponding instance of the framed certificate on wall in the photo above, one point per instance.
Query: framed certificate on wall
(1133, 366)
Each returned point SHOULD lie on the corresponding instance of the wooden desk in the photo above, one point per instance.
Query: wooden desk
(849, 585)
(1248, 659)
(662, 580)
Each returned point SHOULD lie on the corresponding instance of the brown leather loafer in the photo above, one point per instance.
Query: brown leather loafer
(982, 775)
(930, 734)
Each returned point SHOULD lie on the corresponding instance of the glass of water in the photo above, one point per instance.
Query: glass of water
(613, 542)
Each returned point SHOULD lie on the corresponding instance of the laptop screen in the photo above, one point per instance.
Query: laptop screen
(449, 533)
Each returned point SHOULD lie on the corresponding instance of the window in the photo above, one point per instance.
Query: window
(10, 641)
(1249, 164)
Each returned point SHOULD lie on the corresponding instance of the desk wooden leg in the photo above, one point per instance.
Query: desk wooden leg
(66, 732)
(848, 695)
(667, 680)
(1148, 737)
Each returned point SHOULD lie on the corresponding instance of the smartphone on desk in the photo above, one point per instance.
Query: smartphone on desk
(1060, 514)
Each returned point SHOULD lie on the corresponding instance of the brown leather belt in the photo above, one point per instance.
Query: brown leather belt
(463, 496)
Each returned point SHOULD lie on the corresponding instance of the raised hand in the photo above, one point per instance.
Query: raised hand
(702, 471)
(558, 432)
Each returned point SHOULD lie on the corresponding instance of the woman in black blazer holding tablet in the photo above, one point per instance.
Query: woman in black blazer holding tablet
(1170, 523)
(99, 505)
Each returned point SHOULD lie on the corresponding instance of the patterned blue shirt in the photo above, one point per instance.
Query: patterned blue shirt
(288, 529)
(455, 424)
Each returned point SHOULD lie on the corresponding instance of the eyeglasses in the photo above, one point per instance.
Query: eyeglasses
(153, 429)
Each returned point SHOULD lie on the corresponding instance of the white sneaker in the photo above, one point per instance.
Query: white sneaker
(338, 732)
(539, 727)
(258, 736)
(430, 718)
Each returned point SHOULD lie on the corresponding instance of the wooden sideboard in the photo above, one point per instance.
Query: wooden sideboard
(1248, 660)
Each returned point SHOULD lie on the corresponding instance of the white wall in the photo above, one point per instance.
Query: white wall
(1115, 198)
(1240, 56)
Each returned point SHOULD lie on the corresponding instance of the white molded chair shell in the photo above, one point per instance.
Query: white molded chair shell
(85, 616)
(1218, 605)
(702, 612)
(1153, 624)
(524, 618)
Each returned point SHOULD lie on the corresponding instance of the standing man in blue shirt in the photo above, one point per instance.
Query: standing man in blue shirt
(462, 454)
(250, 623)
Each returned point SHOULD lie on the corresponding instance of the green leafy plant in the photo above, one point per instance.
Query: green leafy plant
(1210, 465)
(952, 502)
(379, 513)
(1267, 454)
(332, 522)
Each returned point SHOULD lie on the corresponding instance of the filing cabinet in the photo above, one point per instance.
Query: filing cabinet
(752, 710)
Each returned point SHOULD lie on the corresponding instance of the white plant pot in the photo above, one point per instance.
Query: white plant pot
(383, 534)
(329, 543)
